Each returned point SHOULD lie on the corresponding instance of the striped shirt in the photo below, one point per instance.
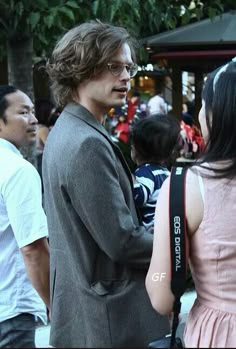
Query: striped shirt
(150, 178)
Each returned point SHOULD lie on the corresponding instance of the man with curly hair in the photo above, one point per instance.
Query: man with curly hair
(99, 250)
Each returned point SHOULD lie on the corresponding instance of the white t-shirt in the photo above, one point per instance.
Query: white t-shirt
(157, 105)
(22, 221)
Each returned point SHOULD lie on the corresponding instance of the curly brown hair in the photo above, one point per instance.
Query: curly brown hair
(82, 53)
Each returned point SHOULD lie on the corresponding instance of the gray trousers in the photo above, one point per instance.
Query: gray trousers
(18, 332)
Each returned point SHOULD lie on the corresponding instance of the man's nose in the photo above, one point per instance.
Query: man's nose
(33, 119)
(125, 75)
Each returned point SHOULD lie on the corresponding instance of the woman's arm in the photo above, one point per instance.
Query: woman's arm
(158, 277)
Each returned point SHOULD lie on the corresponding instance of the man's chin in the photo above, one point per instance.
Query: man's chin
(119, 102)
(30, 141)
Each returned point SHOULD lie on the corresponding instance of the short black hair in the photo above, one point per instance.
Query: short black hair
(155, 138)
(4, 91)
(187, 119)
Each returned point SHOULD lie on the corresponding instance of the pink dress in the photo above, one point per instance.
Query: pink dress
(211, 322)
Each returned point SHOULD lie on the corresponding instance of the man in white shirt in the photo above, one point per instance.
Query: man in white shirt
(156, 104)
(24, 257)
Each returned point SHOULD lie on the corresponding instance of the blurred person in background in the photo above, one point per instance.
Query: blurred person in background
(157, 104)
(43, 110)
(133, 103)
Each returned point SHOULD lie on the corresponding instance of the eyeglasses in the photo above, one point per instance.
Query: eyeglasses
(117, 69)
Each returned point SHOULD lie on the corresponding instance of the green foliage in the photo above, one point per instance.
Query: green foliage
(44, 19)
(47, 20)
(33, 19)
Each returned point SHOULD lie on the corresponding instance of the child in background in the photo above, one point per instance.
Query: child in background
(153, 144)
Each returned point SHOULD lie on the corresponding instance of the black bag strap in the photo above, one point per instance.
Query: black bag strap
(177, 241)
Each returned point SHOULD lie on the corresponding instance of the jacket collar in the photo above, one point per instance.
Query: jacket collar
(84, 114)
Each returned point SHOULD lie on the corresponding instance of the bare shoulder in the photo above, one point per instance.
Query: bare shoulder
(194, 200)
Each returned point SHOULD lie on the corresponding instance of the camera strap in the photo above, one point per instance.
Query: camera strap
(177, 241)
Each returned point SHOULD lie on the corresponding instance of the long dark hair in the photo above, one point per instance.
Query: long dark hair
(219, 95)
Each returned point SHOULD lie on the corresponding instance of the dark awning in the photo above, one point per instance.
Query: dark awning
(198, 54)
(220, 30)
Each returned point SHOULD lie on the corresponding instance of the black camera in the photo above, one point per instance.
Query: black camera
(164, 342)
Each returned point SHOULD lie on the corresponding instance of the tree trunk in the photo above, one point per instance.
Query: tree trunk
(20, 63)
(20, 74)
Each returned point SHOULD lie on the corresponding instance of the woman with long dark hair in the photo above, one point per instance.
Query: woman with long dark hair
(211, 221)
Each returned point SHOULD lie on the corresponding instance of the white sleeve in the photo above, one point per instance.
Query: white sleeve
(23, 199)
